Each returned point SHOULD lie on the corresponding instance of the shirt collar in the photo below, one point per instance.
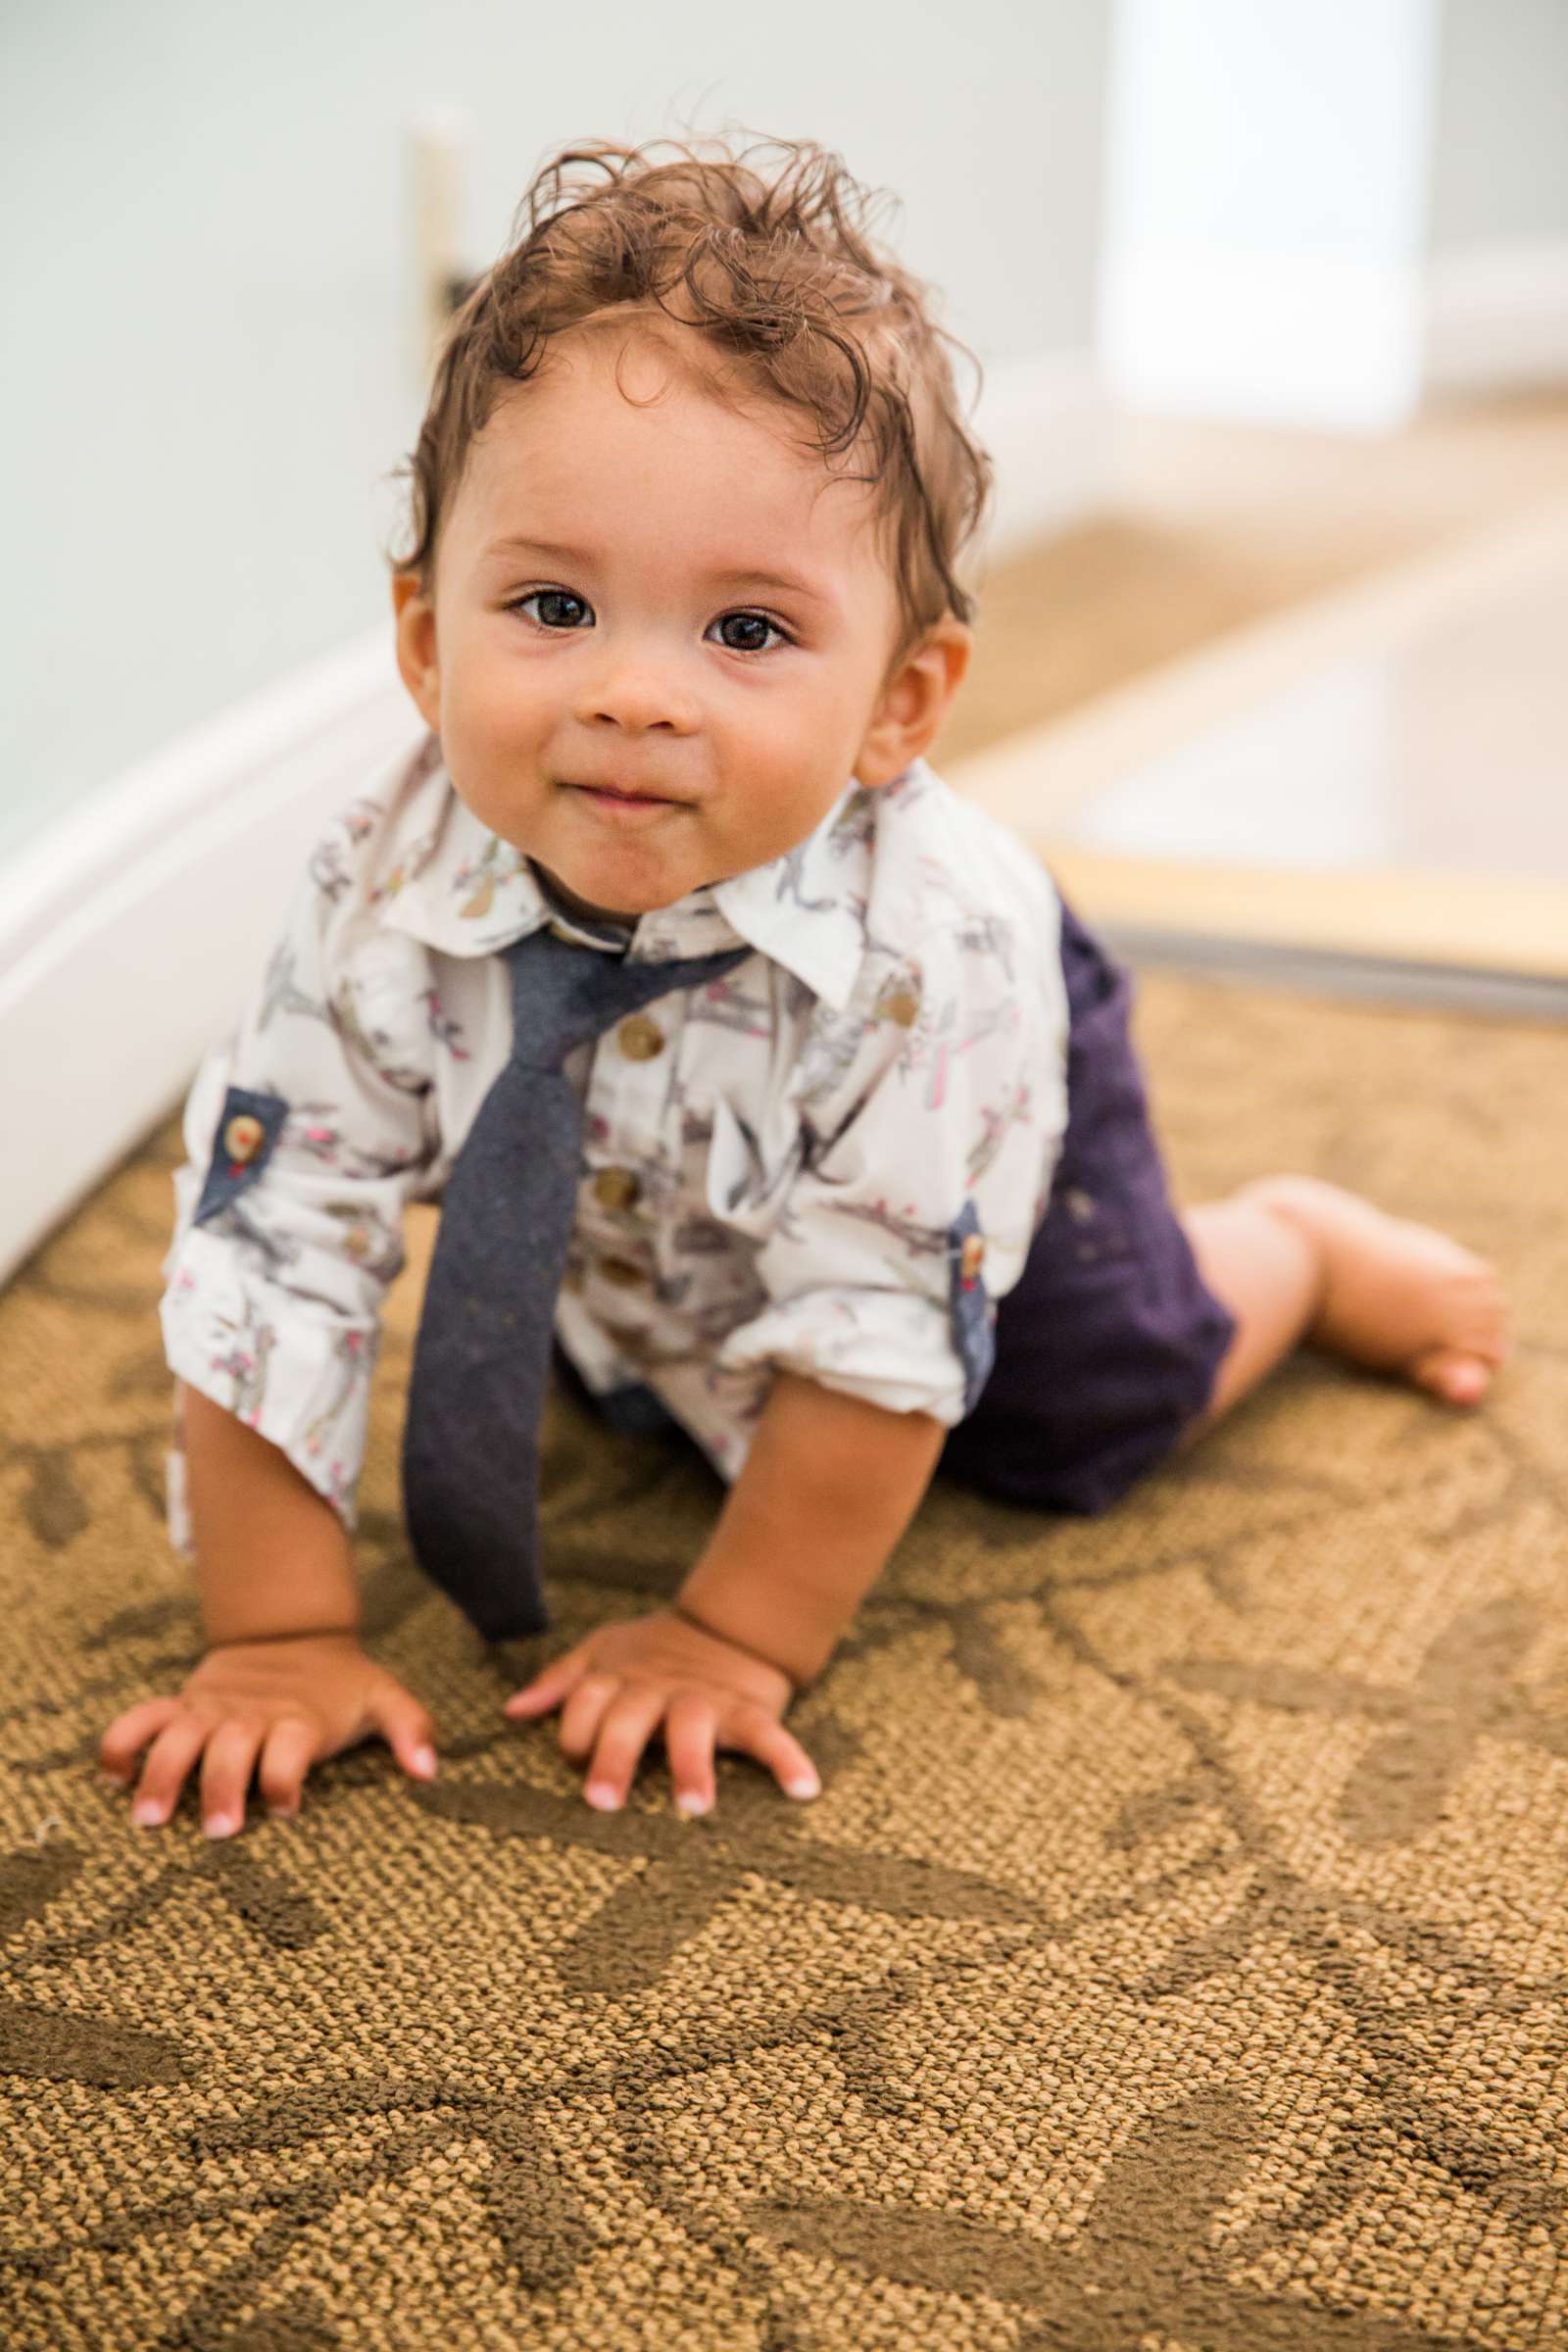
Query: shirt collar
(449, 882)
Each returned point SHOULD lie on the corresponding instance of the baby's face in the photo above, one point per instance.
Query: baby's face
(659, 637)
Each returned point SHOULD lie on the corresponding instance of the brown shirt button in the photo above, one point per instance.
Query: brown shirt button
(616, 1188)
(622, 1270)
(640, 1039)
(243, 1137)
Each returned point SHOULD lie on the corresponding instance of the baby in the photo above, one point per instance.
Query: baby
(861, 1187)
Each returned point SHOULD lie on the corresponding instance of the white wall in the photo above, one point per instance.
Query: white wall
(1324, 211)
(211, 319)
(1267, 207)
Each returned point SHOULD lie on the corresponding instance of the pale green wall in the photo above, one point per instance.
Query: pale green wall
(1499, 166)
(207, 289)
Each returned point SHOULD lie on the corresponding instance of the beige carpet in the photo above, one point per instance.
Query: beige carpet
(1175, 1962)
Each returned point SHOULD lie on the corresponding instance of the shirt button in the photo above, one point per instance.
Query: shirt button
(243, 1137)
(621, 1270)
(640, 1039)
(616, 1188)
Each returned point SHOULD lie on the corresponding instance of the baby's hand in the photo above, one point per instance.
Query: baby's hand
(662, 1674)
(288, 1702)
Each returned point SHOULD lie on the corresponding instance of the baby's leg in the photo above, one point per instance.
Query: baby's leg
(1295, 1259)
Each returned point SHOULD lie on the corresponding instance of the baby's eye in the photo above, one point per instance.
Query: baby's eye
(558, 609)
(748, 632)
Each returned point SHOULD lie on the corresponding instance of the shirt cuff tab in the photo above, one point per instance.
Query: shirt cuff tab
(248, 1128)
(970, 1307)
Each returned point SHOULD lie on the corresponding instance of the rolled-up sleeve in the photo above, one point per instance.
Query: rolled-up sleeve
(924, 1168)
(289, 1223)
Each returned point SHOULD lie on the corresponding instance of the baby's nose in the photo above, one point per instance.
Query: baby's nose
(639, 695)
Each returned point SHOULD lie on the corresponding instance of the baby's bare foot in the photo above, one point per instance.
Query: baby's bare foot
(1398, 1297)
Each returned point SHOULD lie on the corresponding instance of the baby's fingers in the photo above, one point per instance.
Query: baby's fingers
(629, 1724)
(170, 1757)
(690, 1728)
(129, 1734)
(550, 1685)
(407, 1728)
(287, 1754)
(226, 1768)
(753, 1732)
(581, 1714)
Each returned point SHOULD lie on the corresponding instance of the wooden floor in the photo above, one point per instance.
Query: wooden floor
(1233, 563)
(1215, 527)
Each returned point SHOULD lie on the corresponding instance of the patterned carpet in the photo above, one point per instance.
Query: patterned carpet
(1176, 1961)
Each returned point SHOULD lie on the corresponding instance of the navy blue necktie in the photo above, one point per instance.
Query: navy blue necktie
(482, 1361)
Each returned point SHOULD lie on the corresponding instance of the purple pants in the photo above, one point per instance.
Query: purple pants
(1109, 1343)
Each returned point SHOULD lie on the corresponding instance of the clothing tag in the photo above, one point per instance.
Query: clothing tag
(248, 1128)
(973, 1334)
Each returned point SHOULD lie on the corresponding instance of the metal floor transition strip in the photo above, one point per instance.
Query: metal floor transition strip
(1388, 980)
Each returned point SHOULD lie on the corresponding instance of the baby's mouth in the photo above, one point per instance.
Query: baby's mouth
(612, 797)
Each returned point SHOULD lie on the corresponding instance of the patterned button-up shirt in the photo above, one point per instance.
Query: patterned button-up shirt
(823, 1161)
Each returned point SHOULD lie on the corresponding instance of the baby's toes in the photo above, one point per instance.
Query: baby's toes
(1477, 1321)
(1454, 1374)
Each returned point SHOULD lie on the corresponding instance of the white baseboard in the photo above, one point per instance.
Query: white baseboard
(132, 929)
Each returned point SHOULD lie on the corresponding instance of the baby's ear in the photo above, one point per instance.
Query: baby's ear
(415, 645)
(913, 702)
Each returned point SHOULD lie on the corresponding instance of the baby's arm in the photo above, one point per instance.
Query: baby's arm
(306, 1135)
(273, 1557)
(829, 1486)
(284, 1681)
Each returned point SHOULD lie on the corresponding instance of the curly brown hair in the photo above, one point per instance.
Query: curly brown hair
(766, 255)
